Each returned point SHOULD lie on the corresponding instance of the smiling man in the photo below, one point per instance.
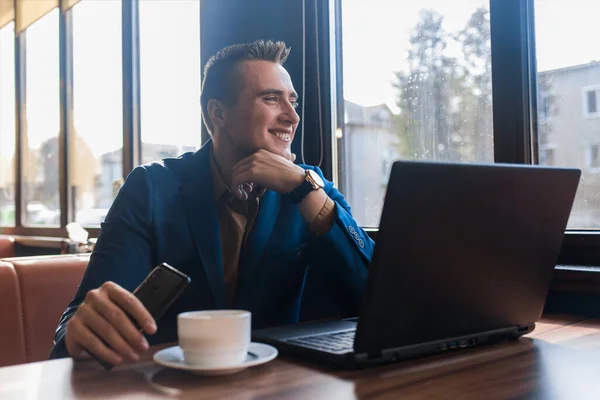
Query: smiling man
(238, 217)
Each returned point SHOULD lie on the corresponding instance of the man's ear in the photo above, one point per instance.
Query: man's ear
(217, 113)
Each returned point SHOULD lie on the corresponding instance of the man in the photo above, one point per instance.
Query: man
(245, 248)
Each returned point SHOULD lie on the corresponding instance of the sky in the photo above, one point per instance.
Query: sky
(375, 37)
(376, 33)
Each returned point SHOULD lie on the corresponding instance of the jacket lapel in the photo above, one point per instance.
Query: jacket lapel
(202, 216)
(259, 235)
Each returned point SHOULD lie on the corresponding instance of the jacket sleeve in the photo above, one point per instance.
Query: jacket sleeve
(342, 255)
(123, 251)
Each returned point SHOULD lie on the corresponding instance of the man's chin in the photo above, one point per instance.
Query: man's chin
(283, 152)
(287, 154)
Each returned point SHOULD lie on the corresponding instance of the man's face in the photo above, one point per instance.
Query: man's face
(264, 115)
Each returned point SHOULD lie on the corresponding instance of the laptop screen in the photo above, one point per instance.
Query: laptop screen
(463, 248)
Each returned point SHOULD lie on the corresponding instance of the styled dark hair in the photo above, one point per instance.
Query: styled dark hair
(221, 78)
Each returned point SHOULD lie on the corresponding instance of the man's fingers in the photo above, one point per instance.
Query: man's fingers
(132, 306)
(237, 183)
(248, 186)
(92, 344)
(107, 333)
(74, 348)
(117, 319)
(293, 157)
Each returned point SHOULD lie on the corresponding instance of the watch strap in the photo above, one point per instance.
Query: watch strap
(301, 191)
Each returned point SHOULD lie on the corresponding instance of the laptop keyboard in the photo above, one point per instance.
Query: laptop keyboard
(340, 342)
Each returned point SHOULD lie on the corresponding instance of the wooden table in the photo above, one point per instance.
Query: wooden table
(559, 360)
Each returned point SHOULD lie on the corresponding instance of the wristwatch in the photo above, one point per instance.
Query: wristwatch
(312, 181)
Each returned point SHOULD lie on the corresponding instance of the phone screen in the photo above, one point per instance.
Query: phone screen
(162, 286)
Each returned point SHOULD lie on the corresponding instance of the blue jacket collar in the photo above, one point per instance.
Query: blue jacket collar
(197, 191)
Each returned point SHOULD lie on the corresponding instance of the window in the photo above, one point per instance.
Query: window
(591, 95)
(594, 157)
(547, 155)
(169, 78)
(571, 76)
(42, 104)
(545, 103)
(96, 152)
(7, 125)
(417, 79)
(387, 160)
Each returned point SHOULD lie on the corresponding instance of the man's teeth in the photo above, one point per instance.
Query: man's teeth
(283, 136)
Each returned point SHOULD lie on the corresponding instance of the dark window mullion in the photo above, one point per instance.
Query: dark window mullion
(20, 121)
(513, 80)
(131, 85)
(321, 14)
(340, 160)
(66, 114)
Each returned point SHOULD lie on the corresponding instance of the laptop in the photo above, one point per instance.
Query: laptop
(464, 257)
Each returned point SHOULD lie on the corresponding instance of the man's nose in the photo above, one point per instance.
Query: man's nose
(290, 115)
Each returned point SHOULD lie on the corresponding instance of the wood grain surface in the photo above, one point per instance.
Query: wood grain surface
(560, 359)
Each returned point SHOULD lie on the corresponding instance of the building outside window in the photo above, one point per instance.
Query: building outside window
(567, 74)
(591, 97)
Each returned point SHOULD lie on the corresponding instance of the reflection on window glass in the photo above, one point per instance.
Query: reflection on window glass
(40, 166)
(170, 77)
(7, 125)
(568, 61)
(417, 82)
(97, 146)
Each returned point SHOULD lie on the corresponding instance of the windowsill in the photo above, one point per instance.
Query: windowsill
(571, 278)
(39, 241)
(591, 116)
(43, 241)
(576, 278)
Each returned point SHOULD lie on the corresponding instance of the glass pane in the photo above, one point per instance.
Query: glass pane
(568, 61)
(97, 148)
(591, 102)
(417, 86)
(7, 125)
(40, 166)
(170, 77)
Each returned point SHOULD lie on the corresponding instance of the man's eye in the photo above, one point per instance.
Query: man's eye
(294, 104)
(271, 98)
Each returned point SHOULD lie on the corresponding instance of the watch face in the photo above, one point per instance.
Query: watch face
(317, 181)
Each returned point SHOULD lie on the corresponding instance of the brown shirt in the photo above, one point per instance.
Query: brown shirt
(236, 219)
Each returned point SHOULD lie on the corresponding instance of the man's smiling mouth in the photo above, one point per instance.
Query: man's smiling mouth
(285, 136)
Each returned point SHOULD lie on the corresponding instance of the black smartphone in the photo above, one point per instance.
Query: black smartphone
(161, 288)
(157, 292)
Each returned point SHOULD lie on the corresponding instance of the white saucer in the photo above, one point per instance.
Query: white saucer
(258, 353)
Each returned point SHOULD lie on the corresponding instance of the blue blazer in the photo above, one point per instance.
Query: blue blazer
(165, 212)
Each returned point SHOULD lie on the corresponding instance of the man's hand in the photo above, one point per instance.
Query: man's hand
(268, 170)
(104, 316)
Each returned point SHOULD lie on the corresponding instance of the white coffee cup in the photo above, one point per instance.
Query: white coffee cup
(214, 338)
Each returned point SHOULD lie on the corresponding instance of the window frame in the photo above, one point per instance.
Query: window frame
(584, 93)
(131, 115)
(549, 148)
(589, 159)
